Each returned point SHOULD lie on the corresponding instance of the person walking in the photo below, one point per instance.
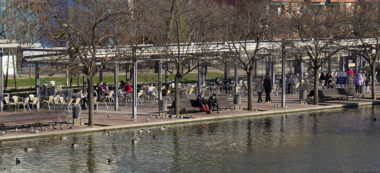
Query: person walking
(268, 89)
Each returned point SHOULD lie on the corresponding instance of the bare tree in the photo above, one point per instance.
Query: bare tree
(89, 30)
(365, 24)
(319, 31)
(181, 23)
(248, 25)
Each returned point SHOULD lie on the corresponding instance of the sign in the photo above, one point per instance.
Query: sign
(342, 74)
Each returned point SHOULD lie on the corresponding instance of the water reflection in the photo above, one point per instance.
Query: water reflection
(90, 154)
(338, 141)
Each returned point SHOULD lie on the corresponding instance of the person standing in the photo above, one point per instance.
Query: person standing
(268, 89)
(358, 81)
(213, 103)
(367, 79)
(259, 90)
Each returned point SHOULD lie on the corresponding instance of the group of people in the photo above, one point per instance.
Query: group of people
(125, 86)
(327, 79)
(210, 105)
(101, 90)
(360, 79)
(266, 86)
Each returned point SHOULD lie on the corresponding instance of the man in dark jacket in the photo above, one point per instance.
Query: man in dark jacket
(213, 103)
(268, 89)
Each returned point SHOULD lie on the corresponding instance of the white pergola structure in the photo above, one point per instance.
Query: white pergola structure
(143, 52)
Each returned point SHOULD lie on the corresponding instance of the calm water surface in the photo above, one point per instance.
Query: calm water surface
(336, 141)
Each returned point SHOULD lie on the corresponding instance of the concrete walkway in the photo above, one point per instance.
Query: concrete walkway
(121, 119)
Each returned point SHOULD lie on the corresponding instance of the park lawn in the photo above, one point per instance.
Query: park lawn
(141, 78)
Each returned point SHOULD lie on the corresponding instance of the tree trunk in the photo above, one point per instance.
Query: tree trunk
(250, 89)
(316, 83)
(373, 83)
(78, 80)
(90, 101)
(71, 80)
(176, 81)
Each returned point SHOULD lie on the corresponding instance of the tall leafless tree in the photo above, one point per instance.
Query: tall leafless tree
(178, 24)
(318, 30)
(89, 30)
(365, 24)
(247, 23)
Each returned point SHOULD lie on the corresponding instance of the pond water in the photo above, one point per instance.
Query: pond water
(335, 141)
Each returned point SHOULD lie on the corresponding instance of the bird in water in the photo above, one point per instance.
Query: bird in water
(108, 116)
(74, 145)
(136, 140)
(148, 131)
(141, 131)
(111, 161)
(374, 119)
(18, 161)
(28, 149)
(63, 137)
(163, 128)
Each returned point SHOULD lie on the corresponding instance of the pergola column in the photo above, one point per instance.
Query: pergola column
(199, 82)
(273, 72)
(85, 85)
(236, 78)
(67, 78)
(134, 106)
(37, 84)
(127, 71)
(160, 106)
(341, 63)
(101, 74)
(226, 71)
(1, 81)
(267, 67)
(329, 65)
(283, 76)
(204, 73)
(166, 73)
(255, 74)
(302, 93)
(355, 58)
(291, 64)
(347, 63)
(116, 85)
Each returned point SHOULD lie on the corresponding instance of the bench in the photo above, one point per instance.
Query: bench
(333, 94)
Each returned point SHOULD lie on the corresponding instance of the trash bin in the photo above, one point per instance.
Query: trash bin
(164, 104)
(303, 94)
(362, 89)
(237, 100)
(76, 112)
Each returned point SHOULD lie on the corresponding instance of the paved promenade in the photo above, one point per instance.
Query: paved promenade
(113, 120)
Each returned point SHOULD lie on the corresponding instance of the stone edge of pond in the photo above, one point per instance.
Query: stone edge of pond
(184, 121)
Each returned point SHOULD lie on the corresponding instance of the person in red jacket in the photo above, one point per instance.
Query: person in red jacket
(128, 88)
